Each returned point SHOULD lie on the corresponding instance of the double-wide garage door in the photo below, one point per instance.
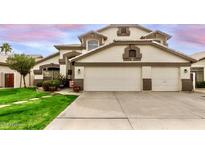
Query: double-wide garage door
(112, 79)
(129, 79)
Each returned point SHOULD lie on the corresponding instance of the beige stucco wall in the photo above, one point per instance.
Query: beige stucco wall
(38, 77)
(184, 74)
(5, 69)
(63, 70)
(54, 60)
(111, 33)
(146, 72)
(79, 72)
(149, 54)
(200, 63)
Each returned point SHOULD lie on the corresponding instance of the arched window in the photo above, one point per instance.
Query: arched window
(132, 53)
(92, 44)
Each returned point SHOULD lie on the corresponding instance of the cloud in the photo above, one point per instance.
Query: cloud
(188, 38)
(190, 34)
(36, 32)
(40, 38)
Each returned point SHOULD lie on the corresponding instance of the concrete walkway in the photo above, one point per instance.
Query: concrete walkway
(68, 91)
(133, 110)
(200, 90)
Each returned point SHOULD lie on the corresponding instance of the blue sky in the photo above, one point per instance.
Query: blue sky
(39, 39)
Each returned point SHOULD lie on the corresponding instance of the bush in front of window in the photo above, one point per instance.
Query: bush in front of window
(46, 85)
(39, 84)
(54, 83)
(63, 80)
(51, 85)
(200, 84)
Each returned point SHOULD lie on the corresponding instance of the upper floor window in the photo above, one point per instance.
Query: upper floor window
(123, 31)
(92, 44)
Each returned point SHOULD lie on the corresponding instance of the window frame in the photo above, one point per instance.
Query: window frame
(87, 44)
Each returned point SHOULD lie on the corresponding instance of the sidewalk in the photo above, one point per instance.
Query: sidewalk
(200, 90)
(68, 91)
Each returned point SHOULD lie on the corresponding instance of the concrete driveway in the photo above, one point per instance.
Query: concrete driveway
(133, 110)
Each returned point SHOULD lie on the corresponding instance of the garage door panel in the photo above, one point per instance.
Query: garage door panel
(112, 79)
(165, 79)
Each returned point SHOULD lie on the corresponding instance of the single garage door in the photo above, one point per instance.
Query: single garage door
(165, 79)
(112, 79)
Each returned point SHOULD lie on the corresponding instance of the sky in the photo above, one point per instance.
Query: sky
(40, 39)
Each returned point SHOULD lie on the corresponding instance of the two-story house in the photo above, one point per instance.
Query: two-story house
(127, 57)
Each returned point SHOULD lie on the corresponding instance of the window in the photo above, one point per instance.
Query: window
(51, 73)
(132, 53)
(123, 30)
(92, 44)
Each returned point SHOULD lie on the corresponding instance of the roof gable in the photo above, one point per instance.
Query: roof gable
(139, 42)
(124, 25)
(92, 33)
(48, 57)
(157, 32)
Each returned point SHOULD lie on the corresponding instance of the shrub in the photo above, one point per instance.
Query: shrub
(46, 85)
(200, 84)
(39, 84)
(51, 85)
(54, 83)
(63, 80)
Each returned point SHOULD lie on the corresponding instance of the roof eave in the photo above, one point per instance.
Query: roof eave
(3, 64)
(126, 25)
(48, 57)
(64, 47)
(139, 42)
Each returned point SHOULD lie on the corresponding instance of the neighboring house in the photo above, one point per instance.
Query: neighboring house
(199, 66)
(47, 68)
(10, 78)
(118, 57)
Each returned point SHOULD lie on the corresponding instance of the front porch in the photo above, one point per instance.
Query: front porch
(199, 73)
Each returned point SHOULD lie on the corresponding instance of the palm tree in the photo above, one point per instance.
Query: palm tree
(5, 48)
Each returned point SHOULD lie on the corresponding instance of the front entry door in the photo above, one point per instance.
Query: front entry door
(9, 80)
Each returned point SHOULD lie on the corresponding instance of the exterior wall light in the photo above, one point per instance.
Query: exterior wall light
(185, 70)
(78, 71)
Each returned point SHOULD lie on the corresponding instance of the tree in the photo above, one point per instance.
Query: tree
(22, 64)
(5, 48)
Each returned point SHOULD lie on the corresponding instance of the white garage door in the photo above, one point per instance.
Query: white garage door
(112, 79)
(165, 79)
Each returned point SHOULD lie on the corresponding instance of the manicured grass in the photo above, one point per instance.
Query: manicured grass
(33, 115)
(18, 94)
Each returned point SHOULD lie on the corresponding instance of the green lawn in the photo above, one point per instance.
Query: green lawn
(18, 94)
(33, 115)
